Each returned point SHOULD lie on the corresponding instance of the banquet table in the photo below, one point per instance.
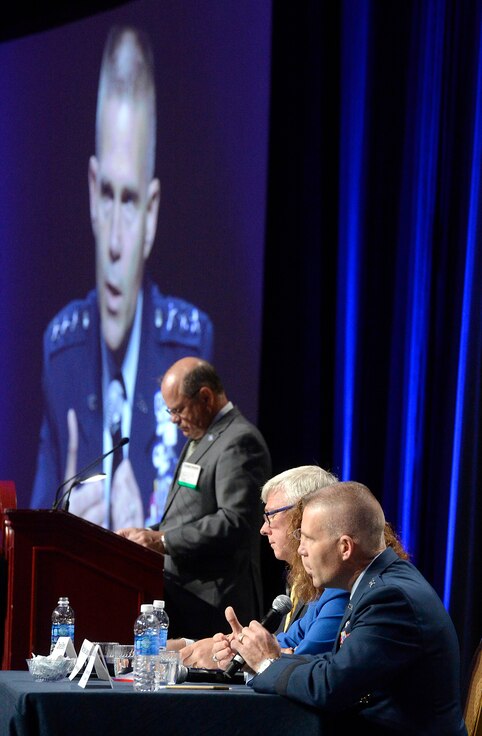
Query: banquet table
(31, 708)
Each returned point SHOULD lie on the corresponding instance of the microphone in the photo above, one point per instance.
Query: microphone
(194, 674)
(281, 605)
(80, 476)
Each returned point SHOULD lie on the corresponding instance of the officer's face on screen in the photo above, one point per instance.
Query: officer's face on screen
(124, 207)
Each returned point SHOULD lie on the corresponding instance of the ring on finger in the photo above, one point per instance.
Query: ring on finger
(214, 658)
(241, 637)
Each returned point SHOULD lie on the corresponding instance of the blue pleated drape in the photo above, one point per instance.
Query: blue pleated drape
(376, 373)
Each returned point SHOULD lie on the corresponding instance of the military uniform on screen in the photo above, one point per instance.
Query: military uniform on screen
(171, 328)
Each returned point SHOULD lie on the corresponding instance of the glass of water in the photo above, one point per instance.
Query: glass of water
(167, 666)
(123, 659)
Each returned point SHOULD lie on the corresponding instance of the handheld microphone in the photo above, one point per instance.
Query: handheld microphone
(80, 476)
(281, 605)
(195, 674)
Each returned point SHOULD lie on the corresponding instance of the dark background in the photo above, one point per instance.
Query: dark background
(371, 327)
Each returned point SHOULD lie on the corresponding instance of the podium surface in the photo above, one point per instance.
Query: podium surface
(48, 554)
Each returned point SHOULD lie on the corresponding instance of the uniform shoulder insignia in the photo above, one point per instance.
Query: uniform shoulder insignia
(71, 325)
(178, 321)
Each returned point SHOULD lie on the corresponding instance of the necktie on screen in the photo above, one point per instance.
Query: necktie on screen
(113, 417)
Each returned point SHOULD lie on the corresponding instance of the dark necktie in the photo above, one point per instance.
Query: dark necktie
(113, 418)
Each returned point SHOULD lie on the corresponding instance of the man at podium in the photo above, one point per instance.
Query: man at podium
(209, 530)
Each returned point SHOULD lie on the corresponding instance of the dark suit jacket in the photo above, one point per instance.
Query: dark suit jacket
(72, 378)
(212, 531)
(397, 670)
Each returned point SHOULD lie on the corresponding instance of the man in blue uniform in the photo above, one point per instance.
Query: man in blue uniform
(103, 355)
(394, 667)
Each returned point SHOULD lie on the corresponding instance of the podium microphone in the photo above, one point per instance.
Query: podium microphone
(80, 476)
(281, 605)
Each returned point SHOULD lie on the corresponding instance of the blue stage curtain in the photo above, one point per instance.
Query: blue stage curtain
(372, 322)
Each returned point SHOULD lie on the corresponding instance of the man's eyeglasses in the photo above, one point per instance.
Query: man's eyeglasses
(177, 412)
(268, 515)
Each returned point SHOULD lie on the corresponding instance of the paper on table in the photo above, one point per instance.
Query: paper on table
(63, 648)
(91, 656)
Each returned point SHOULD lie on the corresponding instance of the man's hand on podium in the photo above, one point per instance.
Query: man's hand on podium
(146, 537)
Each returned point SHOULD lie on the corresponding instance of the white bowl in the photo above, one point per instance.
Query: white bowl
(48, 670)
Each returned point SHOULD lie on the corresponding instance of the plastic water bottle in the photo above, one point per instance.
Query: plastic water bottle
(63, 622)
(163, 618)
(146, 649)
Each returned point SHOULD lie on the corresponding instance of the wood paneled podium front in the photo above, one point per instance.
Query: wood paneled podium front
(48, 554)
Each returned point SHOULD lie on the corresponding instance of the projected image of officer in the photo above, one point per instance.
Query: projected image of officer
(103, 355)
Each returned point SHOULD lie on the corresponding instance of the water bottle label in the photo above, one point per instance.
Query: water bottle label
(62, 630)
(163, 639)
(154, 644)
(139, 645)
(66, 630)
(148, 644)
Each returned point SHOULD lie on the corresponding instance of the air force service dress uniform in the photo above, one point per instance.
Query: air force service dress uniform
(72, 378)
(394, 668)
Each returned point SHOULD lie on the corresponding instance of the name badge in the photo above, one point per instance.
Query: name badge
(189, 475)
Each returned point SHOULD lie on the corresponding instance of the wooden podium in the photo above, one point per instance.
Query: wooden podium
(48, 554)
